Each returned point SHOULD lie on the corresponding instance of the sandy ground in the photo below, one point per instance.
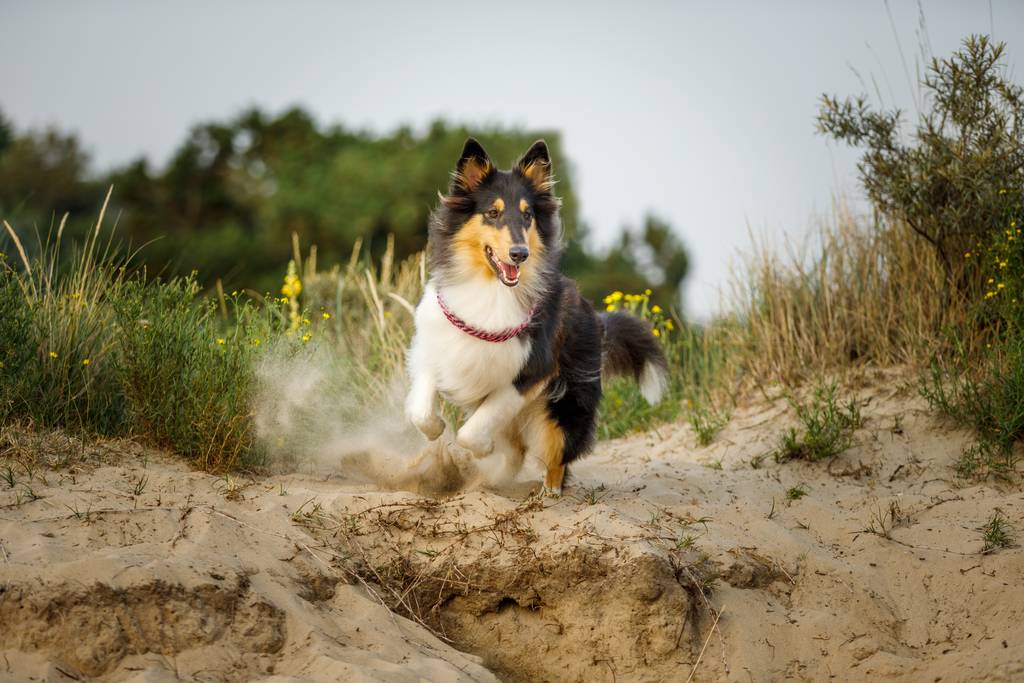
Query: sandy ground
(664, 560)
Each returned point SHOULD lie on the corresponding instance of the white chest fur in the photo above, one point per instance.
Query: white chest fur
(466, 369)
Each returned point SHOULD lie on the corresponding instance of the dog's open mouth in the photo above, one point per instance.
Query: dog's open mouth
(507, 273)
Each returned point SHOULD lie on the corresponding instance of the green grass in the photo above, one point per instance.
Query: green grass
(796, 492)
(997, 533)
(90, 345)
(986, 396)
(825, 430)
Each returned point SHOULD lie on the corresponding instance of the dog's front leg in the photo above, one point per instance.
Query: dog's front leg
(477, 435)
(421, 406)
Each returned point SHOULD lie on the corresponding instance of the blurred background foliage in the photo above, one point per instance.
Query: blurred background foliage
(227, 202)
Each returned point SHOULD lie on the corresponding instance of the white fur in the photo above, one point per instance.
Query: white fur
(653, 382)
(474, 374)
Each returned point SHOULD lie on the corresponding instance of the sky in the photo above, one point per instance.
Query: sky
(700, 112)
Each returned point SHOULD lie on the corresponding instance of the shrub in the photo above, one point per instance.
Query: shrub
(948, 180)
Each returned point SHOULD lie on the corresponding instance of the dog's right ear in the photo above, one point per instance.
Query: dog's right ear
(473, 168)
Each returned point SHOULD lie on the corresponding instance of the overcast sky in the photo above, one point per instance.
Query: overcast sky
(700, 112)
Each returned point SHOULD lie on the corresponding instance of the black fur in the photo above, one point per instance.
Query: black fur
(628, 345)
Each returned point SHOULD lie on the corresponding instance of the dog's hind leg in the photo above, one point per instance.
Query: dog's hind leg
(546, 442)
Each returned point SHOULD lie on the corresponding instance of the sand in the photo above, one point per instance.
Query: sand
(663, 561)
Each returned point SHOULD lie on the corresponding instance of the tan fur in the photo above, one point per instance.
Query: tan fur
(469, 244)
(499, 204)
(474, 172)
(475, 234)
(543, 436)
(523, 205)
(539, 175)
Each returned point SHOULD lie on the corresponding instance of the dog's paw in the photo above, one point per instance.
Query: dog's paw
(478, 444)
(545, 492)
(430, 425)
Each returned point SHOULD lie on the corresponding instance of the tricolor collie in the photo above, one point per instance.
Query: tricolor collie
(503, 334)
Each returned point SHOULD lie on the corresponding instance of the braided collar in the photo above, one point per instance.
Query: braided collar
(496, 337)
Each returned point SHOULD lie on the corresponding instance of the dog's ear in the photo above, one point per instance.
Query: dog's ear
(535, 166)
(472, 169)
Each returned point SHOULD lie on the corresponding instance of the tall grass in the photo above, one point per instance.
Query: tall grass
(861, 293)
(89, 344)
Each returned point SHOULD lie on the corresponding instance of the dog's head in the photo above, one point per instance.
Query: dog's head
(497, 225)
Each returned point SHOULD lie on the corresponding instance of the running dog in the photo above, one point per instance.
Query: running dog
(503, 334)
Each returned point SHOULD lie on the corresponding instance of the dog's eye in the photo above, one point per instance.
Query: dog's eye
(493, 214)
(527, 215)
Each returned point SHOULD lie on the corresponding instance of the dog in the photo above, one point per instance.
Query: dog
(501, 333)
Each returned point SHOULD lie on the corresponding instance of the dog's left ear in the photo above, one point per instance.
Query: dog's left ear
(535, 166)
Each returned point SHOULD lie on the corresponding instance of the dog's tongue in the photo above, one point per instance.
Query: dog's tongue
(510, 272)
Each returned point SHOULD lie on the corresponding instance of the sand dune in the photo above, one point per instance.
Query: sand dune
(665, 560)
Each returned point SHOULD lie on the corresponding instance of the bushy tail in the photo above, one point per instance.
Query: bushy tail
(629, 348)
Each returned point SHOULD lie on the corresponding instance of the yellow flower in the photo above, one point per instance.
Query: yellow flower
(326, 315)
(657, 333)
(76, 295)
(220, 340)
(990, 281)
(306, 337)
(86, 361)
(669, 326)
(647, 292)
(989, 295)
(292, 284)
(255, 342)
(1000, 286)
(967, 255)
(610, 307)
(655, 308)
(53, 354)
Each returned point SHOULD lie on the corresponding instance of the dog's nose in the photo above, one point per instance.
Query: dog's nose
(518, 252)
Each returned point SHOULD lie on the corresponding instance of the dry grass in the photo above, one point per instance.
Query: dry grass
(869, 294)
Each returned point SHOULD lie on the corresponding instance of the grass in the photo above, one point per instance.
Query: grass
(825, 430)
(997, 533)
(988, 397)
(90, 344)
(796, 492)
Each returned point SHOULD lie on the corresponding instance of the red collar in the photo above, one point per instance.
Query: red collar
(501, 336)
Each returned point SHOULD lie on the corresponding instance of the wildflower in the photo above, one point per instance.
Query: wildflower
(292, 284)
(76, 295)
(220, 340)
(305, 321)
(989, 295)
(1000, 286)
(669, 326)
(990, 281)
(655, 308)
(306, 337)
(256, 342)
(647, 292)
(86, 361)
(53, 354)
(325, 315)
(657, 333)
(967, 255)
(1002, 264)
(1002, 190)
(234, 292)
(610, 307)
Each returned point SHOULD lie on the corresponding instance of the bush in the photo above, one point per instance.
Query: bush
(949, 180)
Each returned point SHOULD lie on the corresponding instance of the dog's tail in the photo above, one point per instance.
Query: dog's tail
(629, 348)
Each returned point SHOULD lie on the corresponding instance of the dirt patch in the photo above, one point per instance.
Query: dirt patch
(92, 629)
